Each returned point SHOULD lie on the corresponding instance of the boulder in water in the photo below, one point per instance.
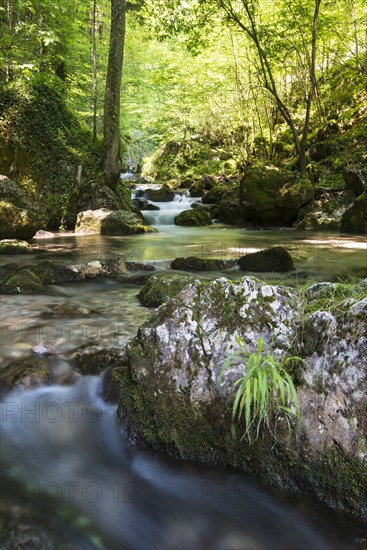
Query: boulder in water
(215, 195)
(273, 259)
(160, 288)
(270, 196)
(124, 223)
(12, 246)
(32, 279)
(164, 194)
(143, 204)
(23, 281)
(354, 220)
(193, 263)
(105, 222)
(197, 217)
(229, 208)
(172, 400)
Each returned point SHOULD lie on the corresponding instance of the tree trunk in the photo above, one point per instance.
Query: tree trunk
(112, 95)
(94, 70)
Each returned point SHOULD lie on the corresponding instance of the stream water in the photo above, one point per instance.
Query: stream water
(68, 466)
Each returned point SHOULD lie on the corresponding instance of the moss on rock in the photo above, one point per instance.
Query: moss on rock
(160, 288)
(192, 263)
(18, 223)
(12, 246)
(273, 259)
(124, 223)
(164, 194)
(22, 282)
(171, 399)
(197, 217)
(215, 195)
(105, 222)
(271, 196)
(32, 279)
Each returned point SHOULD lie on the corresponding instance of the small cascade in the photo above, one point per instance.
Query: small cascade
(127, 175)
(167, 210)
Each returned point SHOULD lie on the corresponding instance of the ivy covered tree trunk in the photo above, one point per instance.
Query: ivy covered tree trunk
(112, 95)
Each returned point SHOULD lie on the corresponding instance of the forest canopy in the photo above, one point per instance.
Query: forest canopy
(258, 78)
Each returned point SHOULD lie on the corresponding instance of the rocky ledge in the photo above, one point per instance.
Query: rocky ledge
(171, 398)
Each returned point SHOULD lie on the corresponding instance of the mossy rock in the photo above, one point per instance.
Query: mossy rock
(271, 196)
(26, 372)
(124, 223)
(52, 273)
(215, 195)
(326, 211)
(165, 194)
(161, 288)
(354, 220)
(193, 263)
(144, 204)
(32, 279)
(18, 223)
(90, 221)
(171, 399)
(105, 222)
(323, 149)
(273, 259)
(14, 193)
(22, 282)
(197, 217)
(94, 195)
(230, 210)
(12, 246)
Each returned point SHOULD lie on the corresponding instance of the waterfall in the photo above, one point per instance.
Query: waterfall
(167, 210)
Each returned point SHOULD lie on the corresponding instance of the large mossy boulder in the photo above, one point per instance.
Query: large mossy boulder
(326, 211)
(94, 196)
(19, 219)
(172, 399)
(124, 223)
(275, 259)
(160, 288)
(271, 196)
(354, 220)
(105, 222)
(193, 263)
(197, 217)
(164, 194)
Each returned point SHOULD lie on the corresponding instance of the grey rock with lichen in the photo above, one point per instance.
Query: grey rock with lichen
(178, 354)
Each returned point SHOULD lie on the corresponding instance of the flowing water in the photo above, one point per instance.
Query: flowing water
(70, 460)
(169, 210)
(70, 468)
